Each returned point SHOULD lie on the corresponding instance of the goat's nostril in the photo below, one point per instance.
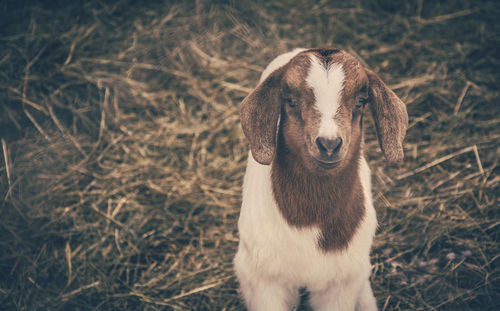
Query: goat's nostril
(328, 145)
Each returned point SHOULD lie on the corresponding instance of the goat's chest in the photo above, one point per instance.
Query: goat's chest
(290, 253)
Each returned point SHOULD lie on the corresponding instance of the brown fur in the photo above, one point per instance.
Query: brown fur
(391, 118)
(306, 193)
(334, 202)
(259, 117)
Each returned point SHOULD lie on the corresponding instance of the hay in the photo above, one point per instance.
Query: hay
(122, 155)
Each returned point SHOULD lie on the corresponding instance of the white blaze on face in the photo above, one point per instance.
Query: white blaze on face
(327, 84)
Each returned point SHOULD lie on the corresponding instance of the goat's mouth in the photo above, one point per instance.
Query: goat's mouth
(327, 164)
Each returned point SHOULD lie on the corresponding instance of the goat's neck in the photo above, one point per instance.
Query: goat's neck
(334, 203)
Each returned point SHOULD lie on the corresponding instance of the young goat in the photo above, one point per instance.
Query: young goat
(307, 218)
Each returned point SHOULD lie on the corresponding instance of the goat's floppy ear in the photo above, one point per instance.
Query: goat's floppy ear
(259, 115)
(391, 118)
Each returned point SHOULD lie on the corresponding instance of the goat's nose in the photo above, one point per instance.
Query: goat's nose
(329, 145)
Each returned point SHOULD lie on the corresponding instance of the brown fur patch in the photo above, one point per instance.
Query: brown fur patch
(333, 202)
(259, 115)
(390, 116)
(305, 193)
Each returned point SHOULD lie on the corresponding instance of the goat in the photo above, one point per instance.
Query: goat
(307, 218)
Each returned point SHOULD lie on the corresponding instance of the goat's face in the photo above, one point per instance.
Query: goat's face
(323, 93)
(318, 98)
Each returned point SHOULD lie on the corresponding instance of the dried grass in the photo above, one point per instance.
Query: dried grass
(122, 156)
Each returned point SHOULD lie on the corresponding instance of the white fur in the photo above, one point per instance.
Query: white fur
(278, 62)
(274, 259)
(327, 84)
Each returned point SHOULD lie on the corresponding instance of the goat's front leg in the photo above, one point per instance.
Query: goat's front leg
(347, 296)
(262, 291)
(366, 300)
(267, 295)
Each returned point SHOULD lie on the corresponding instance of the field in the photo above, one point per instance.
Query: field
(122, 153)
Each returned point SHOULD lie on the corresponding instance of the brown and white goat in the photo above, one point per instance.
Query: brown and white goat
(307, 218)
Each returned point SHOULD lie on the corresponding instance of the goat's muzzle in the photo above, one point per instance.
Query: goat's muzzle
(327, 155)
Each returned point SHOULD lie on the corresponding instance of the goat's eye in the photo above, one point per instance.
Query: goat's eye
(291, 102)
(361, 102)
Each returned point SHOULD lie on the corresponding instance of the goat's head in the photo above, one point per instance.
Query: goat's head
(316, 103)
